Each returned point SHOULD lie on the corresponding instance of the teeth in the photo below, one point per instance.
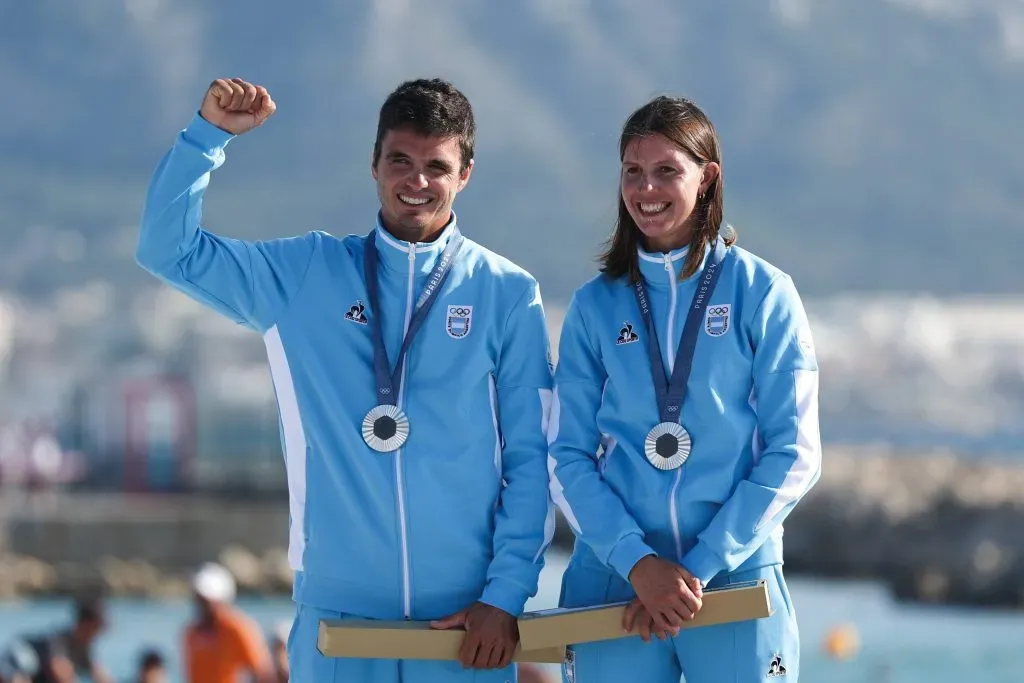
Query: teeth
(648, 207)
(415, 201)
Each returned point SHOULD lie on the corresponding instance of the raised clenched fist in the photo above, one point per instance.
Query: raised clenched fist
(236, 106)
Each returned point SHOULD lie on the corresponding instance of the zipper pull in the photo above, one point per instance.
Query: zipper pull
(412, 253)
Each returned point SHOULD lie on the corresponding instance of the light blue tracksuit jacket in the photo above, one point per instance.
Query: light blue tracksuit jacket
(751, 409)
(461, 513)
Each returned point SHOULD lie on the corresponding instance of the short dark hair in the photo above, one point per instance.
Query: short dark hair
(90, 609)
(150, 659)
(428, 107)
(683, 123)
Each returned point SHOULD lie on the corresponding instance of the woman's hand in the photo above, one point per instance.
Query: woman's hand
(669, 593)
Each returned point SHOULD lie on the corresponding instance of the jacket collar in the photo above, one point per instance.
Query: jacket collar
(660, 270)
(395, 254)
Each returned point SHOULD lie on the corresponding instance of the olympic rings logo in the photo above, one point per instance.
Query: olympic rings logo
(459, 311)
(718, 310)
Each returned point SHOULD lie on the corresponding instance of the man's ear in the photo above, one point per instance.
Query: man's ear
(464, 176)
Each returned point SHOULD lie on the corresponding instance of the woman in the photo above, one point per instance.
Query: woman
(683, 342)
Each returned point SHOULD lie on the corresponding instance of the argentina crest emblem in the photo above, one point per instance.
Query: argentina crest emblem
(716, 321)
(459, 322)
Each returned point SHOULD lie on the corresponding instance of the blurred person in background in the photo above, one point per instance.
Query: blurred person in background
(684, 342)
(222, 642)
(408, 362)
(67, 655)
(152, 668)
(532, 673)
(279, 650)
(19, 662)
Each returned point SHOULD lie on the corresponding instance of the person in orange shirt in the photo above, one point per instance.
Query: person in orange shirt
(222, 642)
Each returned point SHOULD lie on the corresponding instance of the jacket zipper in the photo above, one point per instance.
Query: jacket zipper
(670, 342)
(399, 480)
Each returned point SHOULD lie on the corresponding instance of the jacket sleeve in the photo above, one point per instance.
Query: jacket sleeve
(594, 511)
(525, 516)
(785, 375)
(249, 282)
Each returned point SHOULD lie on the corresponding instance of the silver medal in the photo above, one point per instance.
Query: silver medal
(667, 446)
(385, 428)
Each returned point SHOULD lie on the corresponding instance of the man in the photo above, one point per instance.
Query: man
(279, 650)
(67, 656)
(222, 642)
(152, 668)
(417, 471)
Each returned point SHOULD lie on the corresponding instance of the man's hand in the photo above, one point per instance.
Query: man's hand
(639, 619)
(236, 106)
(669, 592)
(492, 635)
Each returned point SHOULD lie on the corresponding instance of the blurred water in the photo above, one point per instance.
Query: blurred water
(900, 644)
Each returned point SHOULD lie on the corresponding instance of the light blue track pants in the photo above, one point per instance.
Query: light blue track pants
(742, 652)
(309, 666)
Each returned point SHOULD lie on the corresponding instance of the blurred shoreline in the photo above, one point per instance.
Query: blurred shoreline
(932, 527)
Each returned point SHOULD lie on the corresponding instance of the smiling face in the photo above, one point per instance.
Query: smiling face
(418, 178)
(661, 185)
(670, 158)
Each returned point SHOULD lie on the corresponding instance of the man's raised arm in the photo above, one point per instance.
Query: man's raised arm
(249, 282)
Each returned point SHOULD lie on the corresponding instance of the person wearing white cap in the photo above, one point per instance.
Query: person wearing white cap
(222, 641)
(214, 583)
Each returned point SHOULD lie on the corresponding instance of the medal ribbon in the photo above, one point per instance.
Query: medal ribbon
(671, 392)
(388, 384)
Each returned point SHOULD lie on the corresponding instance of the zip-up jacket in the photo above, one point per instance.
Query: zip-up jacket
(750, 409)
(461, 512)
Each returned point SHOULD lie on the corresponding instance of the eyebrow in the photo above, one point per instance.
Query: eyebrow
(660, 162)
(436, 163)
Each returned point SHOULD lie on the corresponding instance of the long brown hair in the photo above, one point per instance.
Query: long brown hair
(682, 122)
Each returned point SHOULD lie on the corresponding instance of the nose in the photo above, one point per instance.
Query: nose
(418, 181)
(644, 183)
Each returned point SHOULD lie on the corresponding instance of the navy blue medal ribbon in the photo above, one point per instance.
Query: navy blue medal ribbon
(385, 427)
(668, 444)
